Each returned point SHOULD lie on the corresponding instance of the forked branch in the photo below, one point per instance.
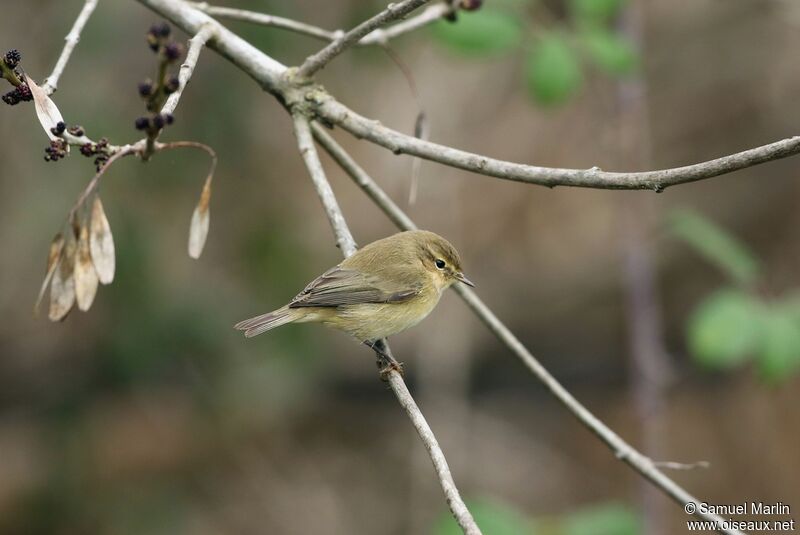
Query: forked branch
(347, 244)
(621, 449)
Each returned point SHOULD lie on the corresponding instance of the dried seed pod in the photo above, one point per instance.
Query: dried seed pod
(62, 287)
(56, 246)
(101, 243)
(86, 280)
(46, 109)
(201, 218)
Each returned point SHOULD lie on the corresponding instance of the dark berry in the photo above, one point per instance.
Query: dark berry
(173, 51)
(169, 118)
(11, 98)
(87, 149)
(142, 123)
(59, 128)
(146, 88)
(161, 29)
(24, 92)
(471, 5)
(76, 131)
(12, 58)
(158, 121)
(451, 16)
(172, 85)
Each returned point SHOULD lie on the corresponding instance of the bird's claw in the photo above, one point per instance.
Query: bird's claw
(386, 367)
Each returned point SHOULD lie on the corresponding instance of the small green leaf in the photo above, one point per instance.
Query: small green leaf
(483, 32)
(605, 519)
(610, 51)
(725, 329)
(779, 354)
(493, 518)
(596, 10)
(553, 71)
(716, 245)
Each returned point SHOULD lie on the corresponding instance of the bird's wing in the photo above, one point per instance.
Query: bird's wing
(342, 286)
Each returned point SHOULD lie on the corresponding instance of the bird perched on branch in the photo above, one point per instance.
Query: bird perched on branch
(384, 288)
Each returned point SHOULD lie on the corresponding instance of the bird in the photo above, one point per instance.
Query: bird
(382, 289)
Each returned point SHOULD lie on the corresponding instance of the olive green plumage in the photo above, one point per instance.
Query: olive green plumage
(384, 288)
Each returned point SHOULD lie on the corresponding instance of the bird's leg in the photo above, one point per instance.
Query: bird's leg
(386, 362)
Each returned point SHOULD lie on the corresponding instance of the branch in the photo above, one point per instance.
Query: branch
(266, 20)
(622, 450)
(196, 44)
(71, 39)
(347, 244)
(317, 61)
(361, 127)
(379, 36)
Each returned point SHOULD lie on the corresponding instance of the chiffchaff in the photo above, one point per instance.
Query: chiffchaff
(382, 289)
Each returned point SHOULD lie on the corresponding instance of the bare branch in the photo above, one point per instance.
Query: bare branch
(361, 127)
(317, 61)
(347, 244)
(344, 240)
(266, 20)
(622, 450)
(72, 38)
(379, 36)
(457, 506)
(196, 44)
(429, 15)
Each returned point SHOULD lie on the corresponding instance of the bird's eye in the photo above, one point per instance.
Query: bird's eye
(439, 263)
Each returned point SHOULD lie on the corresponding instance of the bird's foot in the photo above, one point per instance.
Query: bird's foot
(386, 367)
(386, 362)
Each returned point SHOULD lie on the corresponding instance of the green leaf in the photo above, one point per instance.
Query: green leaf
(725, 329)
(553, 71)
(605, 519)
(609, 51)
(493, 518)
(483, 32)
(716, 245)
(596, 10)
(779, 355)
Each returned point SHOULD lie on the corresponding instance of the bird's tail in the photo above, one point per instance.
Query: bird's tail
(265, 322)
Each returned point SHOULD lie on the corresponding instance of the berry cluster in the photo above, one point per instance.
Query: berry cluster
(99, 149)
(155, 93)
(8, 67)
(21, 93)
(56, 150)
(12, 58)
(155, 123)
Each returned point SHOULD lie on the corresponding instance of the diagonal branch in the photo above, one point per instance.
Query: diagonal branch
(71, 39)
(270, 74)
(196, 44)
(622, 450)
(379, 36)
(317, 61)
(347, 244)
(361, 127)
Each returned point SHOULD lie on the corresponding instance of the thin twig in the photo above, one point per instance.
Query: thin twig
(347, 244)
(399, 143)
(317, 61)
(622, 450)
(196, 44)
(125, 150)
(72, 38)
(270, 74)
(266, 20)
(379, 36)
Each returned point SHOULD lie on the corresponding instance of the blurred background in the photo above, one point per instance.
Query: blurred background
(674, 317)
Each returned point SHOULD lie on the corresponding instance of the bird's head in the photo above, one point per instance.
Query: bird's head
(440, 259)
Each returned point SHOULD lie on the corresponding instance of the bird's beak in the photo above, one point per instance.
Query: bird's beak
(462, 278)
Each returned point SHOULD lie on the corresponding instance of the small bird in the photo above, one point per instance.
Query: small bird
(383, 289)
